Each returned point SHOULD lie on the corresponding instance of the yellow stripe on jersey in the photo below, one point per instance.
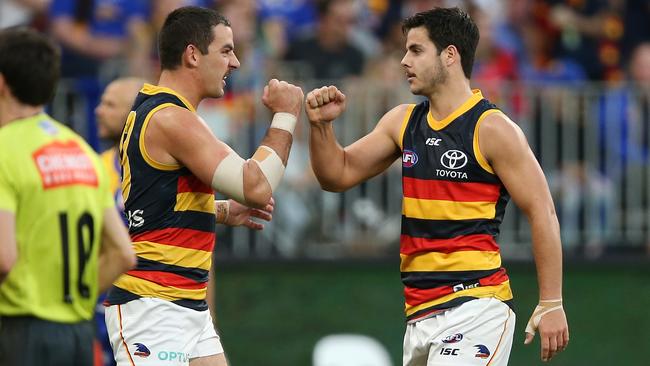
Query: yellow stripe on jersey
(155, 89)
(465, 260)
(467, 105)
(169, 254)
(405, 122)
(193, 201)
(143, 148)
(482, 161)
(144, 288)
(501, 292)
(447, 210)
(124, 159)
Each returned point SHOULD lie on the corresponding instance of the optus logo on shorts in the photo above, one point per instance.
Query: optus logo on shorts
(172, 356)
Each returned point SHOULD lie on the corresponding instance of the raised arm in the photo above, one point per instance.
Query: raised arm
(505, 147)
(337, 168)
(178, 135)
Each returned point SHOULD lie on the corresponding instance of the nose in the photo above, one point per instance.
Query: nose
(404, 61)
(234, 63)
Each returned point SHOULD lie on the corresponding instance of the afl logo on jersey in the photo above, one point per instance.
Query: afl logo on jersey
(409, 158)
(453, 159)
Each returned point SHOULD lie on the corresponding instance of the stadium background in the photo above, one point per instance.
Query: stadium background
(574, 74)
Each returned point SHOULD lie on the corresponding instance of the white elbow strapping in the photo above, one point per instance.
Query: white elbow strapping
(228, 178)
(270, 164)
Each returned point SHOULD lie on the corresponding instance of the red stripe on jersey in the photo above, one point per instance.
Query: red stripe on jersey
(186, 238)
(168, 279)
(450, 191)
(416, 296)
(499, 277)
(479, 242)
(190, 183)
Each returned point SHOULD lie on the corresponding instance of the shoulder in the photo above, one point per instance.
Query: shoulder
(394, 121)
(499, 126)
(171, 116)
(500, 136)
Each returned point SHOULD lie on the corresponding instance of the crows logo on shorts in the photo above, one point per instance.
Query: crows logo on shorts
(141, 350)
(483, 352)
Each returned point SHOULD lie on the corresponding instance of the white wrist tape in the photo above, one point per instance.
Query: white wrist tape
(544, 307)
(228, 178)
(284, 121)
(270, 164)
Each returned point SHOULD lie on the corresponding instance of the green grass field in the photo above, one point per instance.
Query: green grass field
(273, 313)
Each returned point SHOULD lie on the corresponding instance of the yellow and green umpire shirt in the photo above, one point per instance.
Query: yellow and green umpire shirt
(56, 187)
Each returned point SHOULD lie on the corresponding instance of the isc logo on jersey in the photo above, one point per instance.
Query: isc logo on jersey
(453, 160)
(135, 218)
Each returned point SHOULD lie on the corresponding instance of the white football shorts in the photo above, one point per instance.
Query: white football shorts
(478, 332)
(150, 331)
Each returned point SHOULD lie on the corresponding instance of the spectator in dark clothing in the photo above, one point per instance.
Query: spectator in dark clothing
(329, 55)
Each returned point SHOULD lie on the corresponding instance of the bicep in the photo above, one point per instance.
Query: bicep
(375, 152)
(369, 156)
(515, 164)
(190, 142)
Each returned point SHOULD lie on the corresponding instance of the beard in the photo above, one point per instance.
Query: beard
(433, 82)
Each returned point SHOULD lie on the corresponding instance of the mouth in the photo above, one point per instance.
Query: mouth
(410, 76)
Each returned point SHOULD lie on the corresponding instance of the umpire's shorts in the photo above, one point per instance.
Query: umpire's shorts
(29, 341)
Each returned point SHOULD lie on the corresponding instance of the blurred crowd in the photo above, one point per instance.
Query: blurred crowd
(544, 43)
(534, 40)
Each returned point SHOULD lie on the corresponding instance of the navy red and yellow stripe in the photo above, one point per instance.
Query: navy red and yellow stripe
(450, 212)
(171, 216)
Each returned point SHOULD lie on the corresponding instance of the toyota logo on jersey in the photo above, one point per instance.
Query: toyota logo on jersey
(453, 159)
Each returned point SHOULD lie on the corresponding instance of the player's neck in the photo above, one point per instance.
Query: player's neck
(12, 111)
(448, 97)
(181, 84)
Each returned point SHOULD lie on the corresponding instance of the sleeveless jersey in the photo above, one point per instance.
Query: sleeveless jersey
(170, 214)
(56, 187)
(110, 159)
(452, 208)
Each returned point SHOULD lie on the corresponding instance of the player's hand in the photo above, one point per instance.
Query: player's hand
(280, 96)
(324, 104)
(240, 215)
(553, 333)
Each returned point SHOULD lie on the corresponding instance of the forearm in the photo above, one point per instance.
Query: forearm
(547, 250)
(327, 157)
(263, 172)
(111, 266)
(210, 295)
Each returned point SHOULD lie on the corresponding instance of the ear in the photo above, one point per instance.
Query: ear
(191, 56)
(451, 55)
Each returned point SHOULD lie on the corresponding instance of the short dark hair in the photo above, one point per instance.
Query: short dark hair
(185, 26)
(448, 26)
(30, 64)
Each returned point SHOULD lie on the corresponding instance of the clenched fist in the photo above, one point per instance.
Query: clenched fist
(324, 104)
(280, 96)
